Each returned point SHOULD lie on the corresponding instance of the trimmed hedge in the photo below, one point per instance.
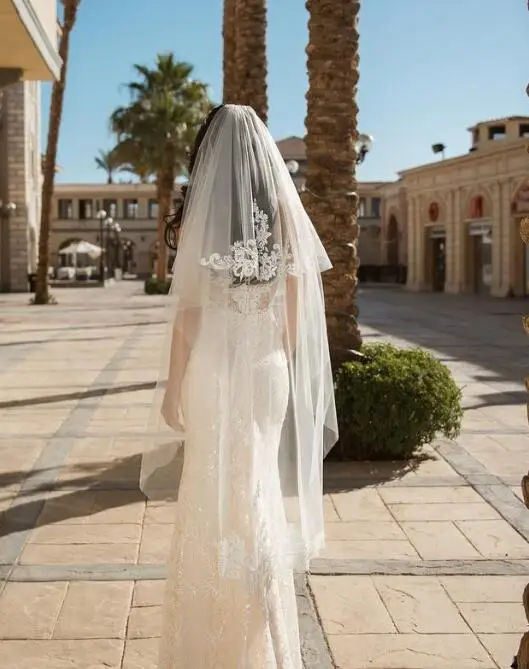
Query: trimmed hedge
(393, 401)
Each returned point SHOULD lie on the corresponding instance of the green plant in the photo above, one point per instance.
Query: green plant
(154, 286)
(394, 401)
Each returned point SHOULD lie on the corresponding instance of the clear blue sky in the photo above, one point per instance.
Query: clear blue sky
(429, 69)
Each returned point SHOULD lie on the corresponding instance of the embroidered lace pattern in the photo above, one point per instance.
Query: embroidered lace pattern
(255, 260)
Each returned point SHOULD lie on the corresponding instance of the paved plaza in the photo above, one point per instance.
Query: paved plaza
(424, 567)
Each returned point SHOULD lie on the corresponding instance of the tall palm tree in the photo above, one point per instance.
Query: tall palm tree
(252, 65)
(330, 197)
(164, 114)
(109, 162)
(229, 33)
(42, 295)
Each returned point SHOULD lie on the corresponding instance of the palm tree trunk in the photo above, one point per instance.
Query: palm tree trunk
(252, 66)
(229, 33)
(164, 191)
(330, 197)
(42, 295)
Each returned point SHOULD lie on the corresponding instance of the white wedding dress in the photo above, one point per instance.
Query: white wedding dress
(246, 618)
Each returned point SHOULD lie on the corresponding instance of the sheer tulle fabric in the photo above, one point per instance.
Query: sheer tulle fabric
(246, 385)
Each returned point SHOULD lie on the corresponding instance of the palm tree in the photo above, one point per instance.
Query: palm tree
(109, 162)
(330, 197)
(251, 56)
(42, 295)
(229, 33)
(134, 159)
(165, 112)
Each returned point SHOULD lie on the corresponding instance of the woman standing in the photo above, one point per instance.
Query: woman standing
(246, 383)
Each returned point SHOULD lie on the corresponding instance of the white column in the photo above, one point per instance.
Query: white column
(410, 234)
(450, 283)
(506, 242)
(497, 264)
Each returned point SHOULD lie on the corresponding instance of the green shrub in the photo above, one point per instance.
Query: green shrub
(394, 401)
(154, 286)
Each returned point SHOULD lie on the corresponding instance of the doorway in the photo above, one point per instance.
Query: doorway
(481, 263)
(438, 264)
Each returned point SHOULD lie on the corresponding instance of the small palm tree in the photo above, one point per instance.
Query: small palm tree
(42, 295)
(109, 162)
(165, 111)
(330, 197)
(135, 160)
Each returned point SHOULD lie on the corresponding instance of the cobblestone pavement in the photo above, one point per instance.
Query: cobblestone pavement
(424, 567)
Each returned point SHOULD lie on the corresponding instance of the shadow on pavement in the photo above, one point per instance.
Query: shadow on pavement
(482, 331)
(80, 395)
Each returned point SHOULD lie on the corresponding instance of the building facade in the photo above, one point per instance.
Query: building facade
(28, 55)
(134, 206)
(456, 222)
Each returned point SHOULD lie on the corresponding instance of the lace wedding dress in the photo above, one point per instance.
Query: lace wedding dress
(237, 621)
(246, 394)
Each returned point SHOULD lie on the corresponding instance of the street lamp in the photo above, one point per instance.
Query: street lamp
(363, 145)
(293, 167)
(7, 209)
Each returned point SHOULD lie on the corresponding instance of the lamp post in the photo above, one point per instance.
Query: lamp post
(363, 145)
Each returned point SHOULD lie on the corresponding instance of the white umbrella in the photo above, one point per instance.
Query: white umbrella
(82, 247)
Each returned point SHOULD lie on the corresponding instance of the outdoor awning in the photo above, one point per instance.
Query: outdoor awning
(81, 247)
(28, 40)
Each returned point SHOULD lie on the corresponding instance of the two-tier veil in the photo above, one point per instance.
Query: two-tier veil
(247, 274)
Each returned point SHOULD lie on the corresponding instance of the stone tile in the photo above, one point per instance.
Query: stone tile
(369, 550)
(329, 510)
(79, 554)
(501, 647)
(95, 610)
(30, 610)
(363, 504)
(494, 617)
(494, 538)
(409, 651)
(419, 605)
(115, 507)
(437, 495)
(68, 508)
(350, 605)
(155, 544)
(145, 622)
(87, 534)
(158, 514)
(485, 588)
(439, 540)
(71, 654)
(141, 654)
(455, 511)
(148, 593)
(363, 530)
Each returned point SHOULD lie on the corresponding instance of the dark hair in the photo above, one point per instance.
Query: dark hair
(174, 221)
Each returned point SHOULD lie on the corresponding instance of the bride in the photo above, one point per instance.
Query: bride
(246, 391)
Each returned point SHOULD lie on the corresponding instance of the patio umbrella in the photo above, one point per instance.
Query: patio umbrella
(82, 247)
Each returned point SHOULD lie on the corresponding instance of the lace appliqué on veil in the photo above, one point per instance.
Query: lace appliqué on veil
(251, 261)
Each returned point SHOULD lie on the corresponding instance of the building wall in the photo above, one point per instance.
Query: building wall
(461, 216)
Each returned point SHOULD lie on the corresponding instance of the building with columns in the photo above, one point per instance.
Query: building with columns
(28, 55)
(134, 206)
(455, 223)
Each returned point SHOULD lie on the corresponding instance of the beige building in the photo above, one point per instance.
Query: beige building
(28, 55)
(455, 222)
(134, 207)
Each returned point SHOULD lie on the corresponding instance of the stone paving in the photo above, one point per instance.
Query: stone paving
(424, 566)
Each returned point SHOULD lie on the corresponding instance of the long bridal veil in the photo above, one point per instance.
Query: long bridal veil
(247, 276)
